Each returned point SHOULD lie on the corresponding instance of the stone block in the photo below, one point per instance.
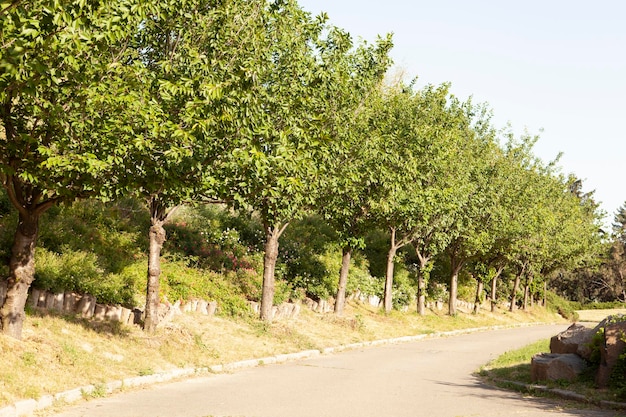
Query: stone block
(25, 407)
(571, 340)
(113, 313)
(610, 351)
(86, 306)
(212, 308)
(137, 316)
(8, 411)
(556, 366)
(125, 314)
(57, 302)
(255, 307)
(32, 300)
(296, 310)
(70, 300)
(202, 307)
(99, 312)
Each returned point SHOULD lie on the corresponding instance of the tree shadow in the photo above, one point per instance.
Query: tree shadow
(542, 401)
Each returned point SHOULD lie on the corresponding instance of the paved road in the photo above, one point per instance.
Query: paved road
(424, 378)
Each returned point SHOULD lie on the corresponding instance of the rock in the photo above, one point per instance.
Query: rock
(57, 301)
(212, 307)
(202, 307)
(70, 300)
(86, 306)
(556, 366)
(99, 313)
(125, 314)
(32, 300)
(610, 351)
(113, 313)
(573, 340)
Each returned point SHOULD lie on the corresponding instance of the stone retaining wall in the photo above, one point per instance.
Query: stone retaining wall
(86, 306)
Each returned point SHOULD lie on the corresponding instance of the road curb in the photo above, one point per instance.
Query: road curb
(565, 394)
(27, 407)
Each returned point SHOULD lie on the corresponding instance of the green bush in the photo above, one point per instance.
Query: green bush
(79, 272)
(115, 232)
(607, 305)
(180, 282)
(199, 234)
(562, 306)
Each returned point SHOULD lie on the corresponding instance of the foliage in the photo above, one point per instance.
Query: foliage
(565, 308)
(79, 272)
(110, 231)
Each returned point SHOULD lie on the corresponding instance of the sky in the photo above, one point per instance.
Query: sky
(554, 68)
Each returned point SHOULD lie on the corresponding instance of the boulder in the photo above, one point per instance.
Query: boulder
(556, 366)
(573, 340)
(610, 350)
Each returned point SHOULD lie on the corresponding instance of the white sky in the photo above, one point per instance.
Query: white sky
(554, 65)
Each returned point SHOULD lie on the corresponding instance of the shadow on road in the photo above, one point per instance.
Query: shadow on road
(479, 389)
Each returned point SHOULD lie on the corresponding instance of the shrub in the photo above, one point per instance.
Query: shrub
(562, 306)
(79, 272)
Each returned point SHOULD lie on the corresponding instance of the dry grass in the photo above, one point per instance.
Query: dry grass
(595, 316)
(57, 353)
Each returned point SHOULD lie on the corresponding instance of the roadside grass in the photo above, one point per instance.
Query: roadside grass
(511, 370)
(60, 353)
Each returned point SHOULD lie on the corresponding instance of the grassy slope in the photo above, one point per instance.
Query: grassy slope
(58, 353)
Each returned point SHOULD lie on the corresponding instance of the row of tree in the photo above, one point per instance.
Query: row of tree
(271, 110)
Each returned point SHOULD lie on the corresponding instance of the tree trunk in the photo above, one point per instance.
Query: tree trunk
(479, 290)
(456, 266)
(545, 293)
(272, 234)
(529, 281)
(515, 288)
(494, 288)
(421, 284)
(21, 274)
(157, 239)
(340, 299)
(387, 301)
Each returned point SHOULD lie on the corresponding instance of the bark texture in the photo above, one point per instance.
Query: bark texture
(157, 239)
(421, 283)
(480, 287)
(272, 234)
(340, 299)
(494, 289)
(387, 299)
(159, 215)
(21, 274)
(518, 278)
(456, 266)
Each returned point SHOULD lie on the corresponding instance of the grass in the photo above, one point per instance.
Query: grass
(61, 353)
(596, 316)
(514, 366)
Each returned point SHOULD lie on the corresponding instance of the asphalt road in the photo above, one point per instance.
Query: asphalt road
(430, 377)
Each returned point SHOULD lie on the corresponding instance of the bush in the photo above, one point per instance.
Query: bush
(79, 272)
(200, 235)
(180, 282)
(115, 232)
(562, 306)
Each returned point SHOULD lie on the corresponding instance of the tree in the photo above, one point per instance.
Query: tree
(188, 79)
(345, 199)
(281, 142)
(55, 145)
